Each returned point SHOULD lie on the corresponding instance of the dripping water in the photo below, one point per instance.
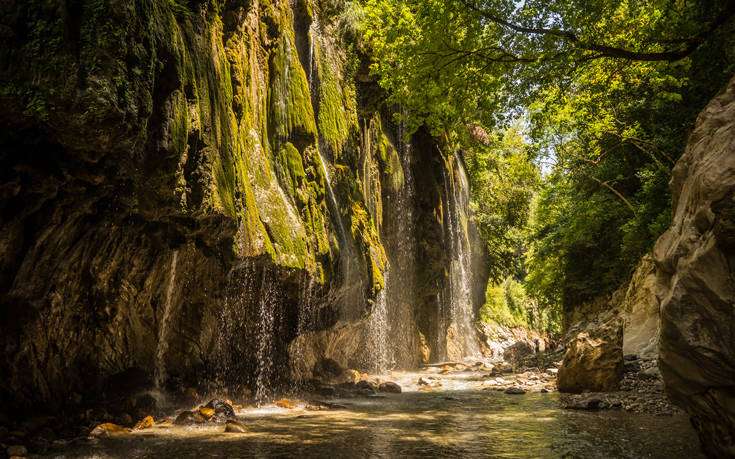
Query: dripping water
(460, 312)
(377, 330)
(265, 332)
(400, 285)
(163, 329)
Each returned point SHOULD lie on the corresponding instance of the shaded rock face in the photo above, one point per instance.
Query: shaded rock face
(640, 314)
(593, 359)
(185, 190)
(695, 262)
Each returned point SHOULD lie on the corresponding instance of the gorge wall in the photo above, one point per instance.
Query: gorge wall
(212, 190)
(695, 262)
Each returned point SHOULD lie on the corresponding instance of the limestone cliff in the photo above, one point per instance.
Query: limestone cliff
(188, 185)
(695, 262)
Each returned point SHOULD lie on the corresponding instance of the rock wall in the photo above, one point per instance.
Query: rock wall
(189, 185)
(600, 333)
(695, 262)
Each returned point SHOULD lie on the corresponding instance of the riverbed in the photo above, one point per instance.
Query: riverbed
(461, 418)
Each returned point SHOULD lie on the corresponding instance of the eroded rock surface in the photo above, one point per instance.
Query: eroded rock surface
(695, 262)
(594, 356)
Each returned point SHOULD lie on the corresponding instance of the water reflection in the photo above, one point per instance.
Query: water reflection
(459, 421)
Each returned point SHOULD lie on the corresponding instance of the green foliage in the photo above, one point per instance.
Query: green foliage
(503, 182)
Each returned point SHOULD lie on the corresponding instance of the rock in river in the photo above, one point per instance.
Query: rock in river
(235, 427)
(390, 387)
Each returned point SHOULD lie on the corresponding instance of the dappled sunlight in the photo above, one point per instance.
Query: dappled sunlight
(458, 419)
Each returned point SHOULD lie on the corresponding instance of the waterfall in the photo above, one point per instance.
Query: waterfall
(400, 286)
(458, 324)
(313, 30)
(308, 316)
(163, 329)
(265, 332)
(377, 331)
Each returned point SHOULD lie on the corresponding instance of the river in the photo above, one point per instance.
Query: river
(462, 418)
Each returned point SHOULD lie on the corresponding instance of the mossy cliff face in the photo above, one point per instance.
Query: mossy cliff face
(184, 172)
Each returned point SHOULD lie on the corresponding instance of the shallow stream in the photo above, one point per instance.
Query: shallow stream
(459, 419)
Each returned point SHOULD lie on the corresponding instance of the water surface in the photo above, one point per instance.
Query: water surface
(460, 419)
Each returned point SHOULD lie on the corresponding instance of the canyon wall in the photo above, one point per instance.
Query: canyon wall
(695, 262)
(211, 191)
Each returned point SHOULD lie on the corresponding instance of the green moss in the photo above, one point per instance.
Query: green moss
(291, 116)
(334, 119)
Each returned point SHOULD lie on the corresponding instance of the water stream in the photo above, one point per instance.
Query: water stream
(163, 329)
(460, 419)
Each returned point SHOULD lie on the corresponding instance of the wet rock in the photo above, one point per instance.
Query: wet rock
(350, 376)
(695, 267)
(144, 423)
(189, 396)
(233, 426)
(515, 391)
(126, 420)
(128, 382)
(544, 390)
(207, 413)
(518, 352)
(222, 410)
(17, 450)
(145, 403)
(390, 387)
(106, 429)
(423, 381)
(594, 358)
(325, 390)
(187, 418)
(327, 369)
(583, 402)
(367, 385)
(285, 403)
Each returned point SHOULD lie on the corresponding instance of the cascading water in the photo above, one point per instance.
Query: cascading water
(400, 286)
(265, 332)
(163, 329)
(377, 328)
(307, 311)
(459, 314)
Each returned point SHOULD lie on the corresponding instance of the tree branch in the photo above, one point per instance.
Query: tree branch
(726, 13)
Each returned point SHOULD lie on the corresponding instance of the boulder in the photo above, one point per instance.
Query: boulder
(106, 429)
(594, 358)
(286, 403)
(144, 423)
(235, 427)
(187, 418)
(222, 410)
(515, 391)
(695, 268)
(517, 352)
(390, 387)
